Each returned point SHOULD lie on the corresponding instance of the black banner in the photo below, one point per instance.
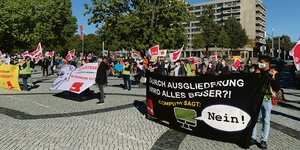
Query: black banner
(223, 108)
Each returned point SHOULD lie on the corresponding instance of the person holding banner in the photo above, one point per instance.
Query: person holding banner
(101, 78)
(265, 111)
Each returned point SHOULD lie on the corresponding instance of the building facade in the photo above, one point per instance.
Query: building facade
(250, 13)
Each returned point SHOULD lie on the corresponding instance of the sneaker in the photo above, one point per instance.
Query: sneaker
(263, 145)
(129, 90)
(100, 102)
(253, 142)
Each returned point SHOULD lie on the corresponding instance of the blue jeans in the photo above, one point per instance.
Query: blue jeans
(127, 82)
(265, 117)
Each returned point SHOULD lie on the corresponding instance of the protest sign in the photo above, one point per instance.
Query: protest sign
(9, 77)
(223, 108)
(75, 80)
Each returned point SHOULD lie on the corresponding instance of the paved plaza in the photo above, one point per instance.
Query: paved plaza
(43, 119)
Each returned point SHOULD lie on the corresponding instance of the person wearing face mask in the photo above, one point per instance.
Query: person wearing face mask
(224, 69)
(273, 85)
(248, 66)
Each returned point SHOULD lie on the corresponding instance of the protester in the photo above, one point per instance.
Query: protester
(126, 76)
(45, 66)
(224, 68)
(101, 78)
(242, 68)
(266, 107)
(30, 81)
(181, 70)
(52, 64)
(137, 73)
(201, 68)
(25, 73)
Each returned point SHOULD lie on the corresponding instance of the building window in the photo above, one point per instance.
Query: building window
(219, 4)
(197, 7)
(191, 8)
(197, 13)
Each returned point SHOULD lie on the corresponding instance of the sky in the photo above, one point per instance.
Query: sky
(281, 16)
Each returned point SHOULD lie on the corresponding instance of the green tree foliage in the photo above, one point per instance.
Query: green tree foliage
(223, 39)
(198, 41)
(208, 27)
(23, 23)
(237, 35)
(285, 43)
(140, 24)
(92, 44)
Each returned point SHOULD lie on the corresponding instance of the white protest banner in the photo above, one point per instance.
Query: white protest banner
(76, 80)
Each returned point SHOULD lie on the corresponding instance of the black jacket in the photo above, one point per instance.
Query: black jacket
(101, 73)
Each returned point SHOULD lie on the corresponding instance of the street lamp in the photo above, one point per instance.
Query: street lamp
(272, 42)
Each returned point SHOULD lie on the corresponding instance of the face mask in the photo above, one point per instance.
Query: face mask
(223, 63)
(206, 63)
(252, 70)
(261, 65)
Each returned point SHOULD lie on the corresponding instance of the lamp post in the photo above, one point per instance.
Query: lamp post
(273, 42)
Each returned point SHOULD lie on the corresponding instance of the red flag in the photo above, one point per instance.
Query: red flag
(162, 53)
(194, 60)
(25, 54)
(47, 54)
(37, 51)
(295, 52)
(72, 52)
(236, 64)
(51, 54)
(81, 33)
(214, 58)
(153, 51)
(114, 57)
(89, 56)
(38, 58)
(137, 54)
(175, 55)
(69, 57)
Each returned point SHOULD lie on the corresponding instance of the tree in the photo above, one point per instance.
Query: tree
(237, 35)
(140, 24)
(198, 41)
(208, 27)
(223, 39)
(24, 23)
(92, 44)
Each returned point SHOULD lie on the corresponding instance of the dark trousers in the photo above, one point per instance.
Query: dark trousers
(45, 69)
(101, 91)
(25, 85)
(127, 83)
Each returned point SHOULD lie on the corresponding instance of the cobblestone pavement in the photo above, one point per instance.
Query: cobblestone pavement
(43, 119)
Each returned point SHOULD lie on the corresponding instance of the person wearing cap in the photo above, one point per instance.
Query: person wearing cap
(126, 76)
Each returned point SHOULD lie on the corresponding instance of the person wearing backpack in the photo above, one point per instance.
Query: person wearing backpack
(273, 85)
